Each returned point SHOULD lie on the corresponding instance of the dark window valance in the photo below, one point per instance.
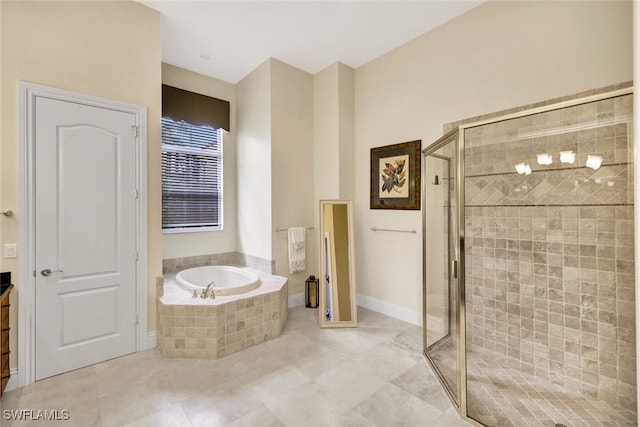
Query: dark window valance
(194, 108)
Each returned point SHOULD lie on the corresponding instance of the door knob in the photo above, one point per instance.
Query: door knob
(47, 272)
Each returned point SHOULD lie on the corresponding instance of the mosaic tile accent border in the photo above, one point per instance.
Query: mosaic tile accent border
(609, 185)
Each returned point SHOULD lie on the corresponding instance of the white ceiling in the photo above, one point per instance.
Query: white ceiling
(229, 39)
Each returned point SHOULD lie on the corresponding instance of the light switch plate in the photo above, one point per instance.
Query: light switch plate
(11, 250)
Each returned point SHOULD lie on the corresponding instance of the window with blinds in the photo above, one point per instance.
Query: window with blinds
(191, 177)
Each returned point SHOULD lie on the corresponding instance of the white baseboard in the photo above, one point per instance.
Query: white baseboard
(434, 323)
(391, 310)
(13, 381)
(152, 340)
(296, 300)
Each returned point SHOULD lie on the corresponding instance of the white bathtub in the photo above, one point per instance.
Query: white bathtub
(227, 280)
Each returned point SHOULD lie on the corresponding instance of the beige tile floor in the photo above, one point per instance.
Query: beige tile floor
(374, 375)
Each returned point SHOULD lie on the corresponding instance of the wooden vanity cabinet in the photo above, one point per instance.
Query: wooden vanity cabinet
(5, 372)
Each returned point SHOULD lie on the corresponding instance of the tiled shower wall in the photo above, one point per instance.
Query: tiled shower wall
(549, 256)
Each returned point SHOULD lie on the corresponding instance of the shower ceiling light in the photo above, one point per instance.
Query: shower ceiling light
(521, 168)
(545, 159)
(567, 157)
(594, 162)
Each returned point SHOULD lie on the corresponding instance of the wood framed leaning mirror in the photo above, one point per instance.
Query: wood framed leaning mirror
(337, 272)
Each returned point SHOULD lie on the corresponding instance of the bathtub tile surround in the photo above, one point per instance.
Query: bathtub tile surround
(266, 265)
(173, 265)
(550, 270)
(214, 328)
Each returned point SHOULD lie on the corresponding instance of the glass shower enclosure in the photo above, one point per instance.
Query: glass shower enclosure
(529, 275)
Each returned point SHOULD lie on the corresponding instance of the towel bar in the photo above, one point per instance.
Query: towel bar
(278, 229)
(395, 231)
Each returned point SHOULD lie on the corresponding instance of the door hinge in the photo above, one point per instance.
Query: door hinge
(137, 256)
(137, 194)
(135, 130)
(137, 319)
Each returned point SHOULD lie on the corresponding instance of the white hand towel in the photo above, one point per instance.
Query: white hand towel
(296, 249)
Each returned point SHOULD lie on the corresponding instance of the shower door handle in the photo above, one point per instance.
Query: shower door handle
(454, 269)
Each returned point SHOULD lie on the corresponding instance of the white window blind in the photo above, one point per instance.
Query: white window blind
(191, 177)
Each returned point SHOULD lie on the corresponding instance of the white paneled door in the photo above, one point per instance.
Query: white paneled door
(85, 235)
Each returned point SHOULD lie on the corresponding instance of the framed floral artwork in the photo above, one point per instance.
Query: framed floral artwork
(395, 176)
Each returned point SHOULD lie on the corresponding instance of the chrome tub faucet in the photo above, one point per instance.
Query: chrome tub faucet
(206, 293)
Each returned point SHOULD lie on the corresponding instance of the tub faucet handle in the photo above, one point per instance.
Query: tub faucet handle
(195, 294)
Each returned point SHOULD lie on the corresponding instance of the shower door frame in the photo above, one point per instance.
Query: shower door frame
(454, 136)
(460, 129)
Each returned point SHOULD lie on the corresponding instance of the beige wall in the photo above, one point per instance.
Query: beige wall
(107, 49)
(180, 245)
(333, 138)
(346, 130)
(499, 55)
(333, 132)
(275, 164)
(254, 162)
(326, 133)
(292, 167)
(269, 168)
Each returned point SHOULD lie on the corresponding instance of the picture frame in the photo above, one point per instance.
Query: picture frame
(395, 176)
